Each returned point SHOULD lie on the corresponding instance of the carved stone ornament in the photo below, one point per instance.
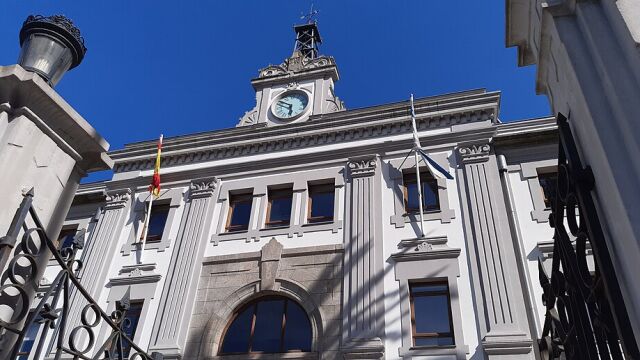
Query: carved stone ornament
(249, 118)
(362, 167)
(335, 104)
(296, 64)
(202, 187)
(117, 199)
(474, 152)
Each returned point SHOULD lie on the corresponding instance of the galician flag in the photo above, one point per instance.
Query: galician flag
(436, 170)
(154, 188)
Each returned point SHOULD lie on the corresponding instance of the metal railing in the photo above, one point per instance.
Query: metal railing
(586, 317)
(22, 264)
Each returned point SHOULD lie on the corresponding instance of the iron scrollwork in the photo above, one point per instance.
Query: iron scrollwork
(585, 314)
(52, 311)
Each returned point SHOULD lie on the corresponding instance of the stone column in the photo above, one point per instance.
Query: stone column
(178, 295)
(499, 298)
(363, 310)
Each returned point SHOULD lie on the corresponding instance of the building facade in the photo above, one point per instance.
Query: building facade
(296, 234)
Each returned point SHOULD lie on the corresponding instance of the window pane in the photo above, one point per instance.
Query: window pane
(430, 195)
(66, 237)
(236, 339)
(548, 184)
(130, 325)
(29, 340)
(412, 196)
(434, 341)
(428, 288)
(322, 205)
(297, 332)
(431, 313)
(280, 210)
(240, 216)
(268, 329)
(157, 221)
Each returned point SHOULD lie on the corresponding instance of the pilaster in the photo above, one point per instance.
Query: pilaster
(179, 291)
(499, 298)
(363, 314)
(99, 252)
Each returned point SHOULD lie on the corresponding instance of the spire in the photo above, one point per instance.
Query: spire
(307, 37)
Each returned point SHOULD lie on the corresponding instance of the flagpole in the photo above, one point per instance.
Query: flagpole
(145, 226)
(416, 145)
(154, 190)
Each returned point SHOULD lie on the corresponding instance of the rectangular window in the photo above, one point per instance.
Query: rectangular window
(279, 208)
(431, 314)
(157, 221)
(239, 212)
(548, 186)
(130, 324)
(321, 201)
(65, 239)
(430, 201)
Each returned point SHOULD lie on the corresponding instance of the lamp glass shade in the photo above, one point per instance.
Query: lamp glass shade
(46, 56)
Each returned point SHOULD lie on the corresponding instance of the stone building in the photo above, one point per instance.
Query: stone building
(295, 234)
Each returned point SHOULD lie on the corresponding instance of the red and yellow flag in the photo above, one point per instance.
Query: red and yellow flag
(154, 188)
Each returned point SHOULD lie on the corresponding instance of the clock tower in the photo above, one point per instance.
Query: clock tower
(302, 86)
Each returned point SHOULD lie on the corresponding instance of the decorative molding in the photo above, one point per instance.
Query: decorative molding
(335, 103)
(335, 128)
(136, 274)
(425, 249)
(362, 166)
(269, 263)
(296, 64)
(117, 199)
(474, 152)
(201, 188)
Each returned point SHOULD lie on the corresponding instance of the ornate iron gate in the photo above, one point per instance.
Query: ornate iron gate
(586, 317)
(21, 261)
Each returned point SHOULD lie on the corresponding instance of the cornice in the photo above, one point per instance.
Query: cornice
(346, 126)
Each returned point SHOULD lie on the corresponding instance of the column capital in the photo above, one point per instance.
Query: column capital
(362, 166)
(474, 152)
(117, 199)
(201, 188)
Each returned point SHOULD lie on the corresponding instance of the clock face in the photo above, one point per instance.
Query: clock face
(290, 105)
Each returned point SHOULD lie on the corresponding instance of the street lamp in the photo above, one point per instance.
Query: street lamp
(50, 45)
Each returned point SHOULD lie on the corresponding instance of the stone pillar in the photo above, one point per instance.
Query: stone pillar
(178, 295)
(363, 310)
(98, 254)
(499, 298)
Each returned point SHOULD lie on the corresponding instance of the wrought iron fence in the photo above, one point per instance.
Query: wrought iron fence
(22, 262)
(585, 314)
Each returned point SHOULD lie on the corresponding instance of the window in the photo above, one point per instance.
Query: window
(239, 212)
(431, 314)
(548, 186)
(279, 208)
(268, 325)
(321, 198)
(29, 340)
(430, 201)
(130, 324)
(158, 219)
(65, 239)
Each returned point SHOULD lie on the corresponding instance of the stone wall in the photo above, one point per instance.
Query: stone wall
(310, 275)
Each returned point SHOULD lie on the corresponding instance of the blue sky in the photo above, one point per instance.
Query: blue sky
(179, 67)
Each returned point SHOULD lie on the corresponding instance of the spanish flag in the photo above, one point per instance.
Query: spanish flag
(154, 188)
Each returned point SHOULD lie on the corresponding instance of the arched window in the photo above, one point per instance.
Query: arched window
(268, 325)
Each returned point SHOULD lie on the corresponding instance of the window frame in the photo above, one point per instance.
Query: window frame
(529, 172)
(415, 335)
(128, 348)
(320, 189)
(275, 194)
(545, 175)
(154, 239)
(235, 199)
(283, 325)
(426, 178)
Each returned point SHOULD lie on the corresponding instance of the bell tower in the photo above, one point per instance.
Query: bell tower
(301, 86)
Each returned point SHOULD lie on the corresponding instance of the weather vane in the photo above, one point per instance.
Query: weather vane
(309, 18)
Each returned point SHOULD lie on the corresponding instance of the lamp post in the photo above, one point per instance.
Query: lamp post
(50, 46)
